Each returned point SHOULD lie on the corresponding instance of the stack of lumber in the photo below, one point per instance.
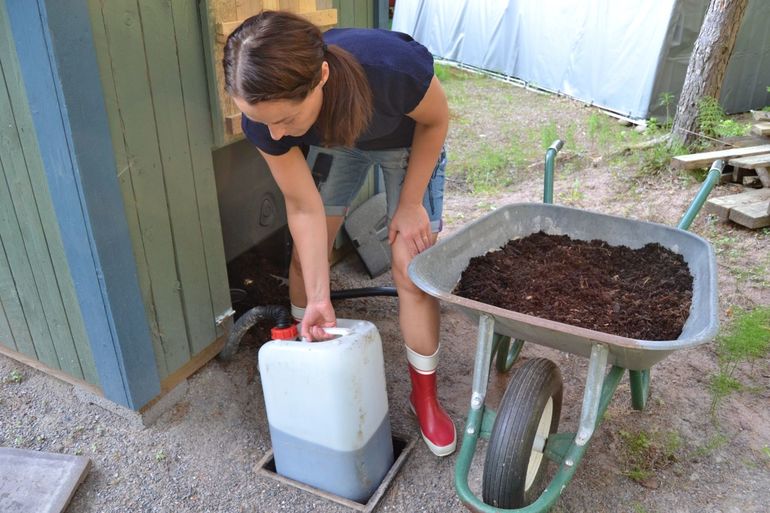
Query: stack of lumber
(749, 166)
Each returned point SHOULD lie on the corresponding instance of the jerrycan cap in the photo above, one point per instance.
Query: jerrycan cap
(289, 333)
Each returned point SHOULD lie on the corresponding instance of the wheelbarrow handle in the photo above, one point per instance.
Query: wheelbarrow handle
(550, 159)
(708, 184)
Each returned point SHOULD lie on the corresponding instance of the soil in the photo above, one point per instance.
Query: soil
(201, 455)
(642, 293)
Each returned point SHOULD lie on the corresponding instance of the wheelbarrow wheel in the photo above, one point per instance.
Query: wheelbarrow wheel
(515, 465)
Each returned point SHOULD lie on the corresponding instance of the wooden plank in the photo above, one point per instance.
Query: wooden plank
(124, 168)
(752, 215)
(193, 75)
(13, 228)
(233, 124)
(6, 335)
(177, 167)
(56, 373)
(247, 8)
(760, 115)
(722, 205)
(129, 68)
(220, 102)
(753, 162)
(40, 229)
(762, 128)
(11, 312)
(697, 160)
(81, 173)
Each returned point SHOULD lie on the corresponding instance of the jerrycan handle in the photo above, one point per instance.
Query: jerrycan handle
(339, 332)
(336, 331)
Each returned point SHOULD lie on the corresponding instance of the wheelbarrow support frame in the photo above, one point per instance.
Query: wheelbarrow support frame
(566, 449)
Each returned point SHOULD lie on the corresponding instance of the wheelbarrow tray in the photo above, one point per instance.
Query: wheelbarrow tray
(438, 270)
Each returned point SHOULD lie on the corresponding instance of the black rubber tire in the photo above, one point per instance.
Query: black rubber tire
(513, 434)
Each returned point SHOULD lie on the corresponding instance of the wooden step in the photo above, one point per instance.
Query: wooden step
(699, 160)
(762, 128)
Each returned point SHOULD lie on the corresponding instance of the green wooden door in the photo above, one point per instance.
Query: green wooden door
(39, 313)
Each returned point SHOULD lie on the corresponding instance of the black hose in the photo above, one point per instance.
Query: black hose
(279, 314)
(364, 292)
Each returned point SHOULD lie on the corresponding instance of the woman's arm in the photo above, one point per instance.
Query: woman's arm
(432, 122)
(307, 224)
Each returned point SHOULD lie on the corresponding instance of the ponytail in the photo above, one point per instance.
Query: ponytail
(347, 103)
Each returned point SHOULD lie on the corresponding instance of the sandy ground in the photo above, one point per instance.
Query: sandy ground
(202, 454)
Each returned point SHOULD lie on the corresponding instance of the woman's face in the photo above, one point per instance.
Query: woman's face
(287, 117)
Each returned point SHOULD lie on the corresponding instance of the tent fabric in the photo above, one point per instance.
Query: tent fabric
(621, 55)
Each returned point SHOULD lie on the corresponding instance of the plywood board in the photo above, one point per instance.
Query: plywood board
(698, 160)
(38, 481)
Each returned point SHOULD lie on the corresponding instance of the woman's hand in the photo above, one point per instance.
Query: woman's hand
(318, 315)
(411, 222)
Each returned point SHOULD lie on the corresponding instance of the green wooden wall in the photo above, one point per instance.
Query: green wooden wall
(39, 313)
(153, 73)
(354, 13)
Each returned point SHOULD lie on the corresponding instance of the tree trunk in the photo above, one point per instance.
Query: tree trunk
(708, 64)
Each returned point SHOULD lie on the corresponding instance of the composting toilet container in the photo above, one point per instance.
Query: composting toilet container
(327, 409)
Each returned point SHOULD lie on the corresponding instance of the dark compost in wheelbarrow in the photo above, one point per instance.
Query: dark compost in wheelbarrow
(643, 293)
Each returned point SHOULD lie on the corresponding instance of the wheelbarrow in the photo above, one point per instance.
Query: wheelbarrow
(522, 433)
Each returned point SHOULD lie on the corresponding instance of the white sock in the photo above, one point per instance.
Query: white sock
(297, 312)
(421, 363)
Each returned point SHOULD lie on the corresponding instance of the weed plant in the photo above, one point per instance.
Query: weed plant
(746, 340)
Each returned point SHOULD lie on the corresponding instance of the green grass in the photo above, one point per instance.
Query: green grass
(745, 340)
(644, 453)
(654, 160)
(490, 168)
(548, 134)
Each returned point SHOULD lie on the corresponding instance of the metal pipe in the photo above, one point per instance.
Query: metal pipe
(708, 184)
(550, 159)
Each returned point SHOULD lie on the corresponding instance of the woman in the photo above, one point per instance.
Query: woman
(350, 99)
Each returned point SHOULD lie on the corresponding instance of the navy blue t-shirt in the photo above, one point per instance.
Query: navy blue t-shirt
(399, 70)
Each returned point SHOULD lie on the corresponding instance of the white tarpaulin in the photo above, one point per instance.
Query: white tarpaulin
(609, 53)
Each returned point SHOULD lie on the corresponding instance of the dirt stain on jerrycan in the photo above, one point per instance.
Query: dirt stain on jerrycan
(327, 409)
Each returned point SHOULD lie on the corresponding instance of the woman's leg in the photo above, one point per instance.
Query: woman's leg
(419, 312)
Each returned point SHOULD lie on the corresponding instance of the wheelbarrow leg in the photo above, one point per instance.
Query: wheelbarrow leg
(505, 352)
(640, 388)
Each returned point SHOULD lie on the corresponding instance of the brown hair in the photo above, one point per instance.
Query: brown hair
(278, 55)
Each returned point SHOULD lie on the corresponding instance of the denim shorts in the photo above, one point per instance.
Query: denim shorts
(340, 172)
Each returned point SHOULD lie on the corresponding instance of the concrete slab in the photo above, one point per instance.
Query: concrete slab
(39, 482)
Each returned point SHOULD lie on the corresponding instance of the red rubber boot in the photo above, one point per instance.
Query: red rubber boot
(438, 430)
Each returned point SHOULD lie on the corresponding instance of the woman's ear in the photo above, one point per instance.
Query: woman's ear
(324, 72)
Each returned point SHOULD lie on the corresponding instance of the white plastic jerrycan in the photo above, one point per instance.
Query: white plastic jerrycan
(327, 408)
